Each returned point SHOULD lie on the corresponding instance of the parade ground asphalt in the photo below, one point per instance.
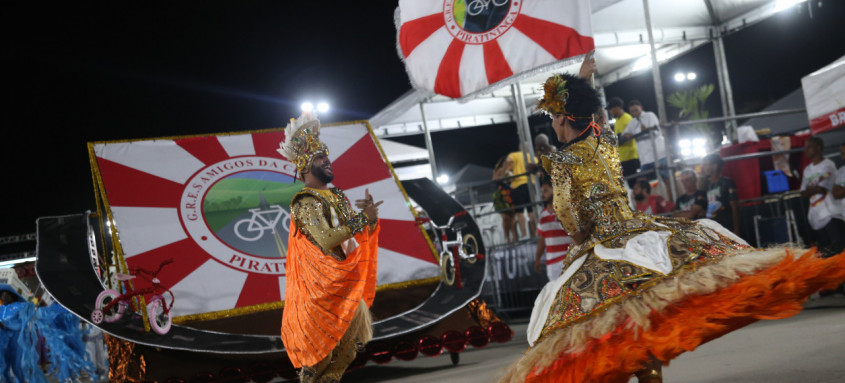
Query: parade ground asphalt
(807, 348)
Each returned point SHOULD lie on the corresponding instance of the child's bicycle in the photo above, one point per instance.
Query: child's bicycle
(110, 304)
(463, 247)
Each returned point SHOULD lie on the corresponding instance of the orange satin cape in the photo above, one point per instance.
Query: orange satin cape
(322, 294)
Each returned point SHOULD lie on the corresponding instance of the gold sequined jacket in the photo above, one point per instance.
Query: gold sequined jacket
(326, 218)
(588, 186)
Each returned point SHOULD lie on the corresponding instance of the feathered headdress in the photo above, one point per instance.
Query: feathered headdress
(302, 141)
(555, 96)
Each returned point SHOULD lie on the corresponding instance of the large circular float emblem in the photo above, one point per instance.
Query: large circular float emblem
(479, 21)
(237, 210)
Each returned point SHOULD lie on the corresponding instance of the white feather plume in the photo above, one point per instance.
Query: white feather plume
(287, 148)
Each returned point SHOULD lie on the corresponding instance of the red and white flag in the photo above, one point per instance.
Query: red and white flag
(823, 95)
(219, 206)
(458, 48)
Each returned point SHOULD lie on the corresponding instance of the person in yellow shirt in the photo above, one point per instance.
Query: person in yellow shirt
(519, 190)
(627, 146)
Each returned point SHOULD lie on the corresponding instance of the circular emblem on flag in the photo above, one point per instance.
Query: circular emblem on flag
(237, 210)
(479, 21)
(462, 47)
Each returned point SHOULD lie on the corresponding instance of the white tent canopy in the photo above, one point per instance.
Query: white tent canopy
(622, 50)
(397, 152)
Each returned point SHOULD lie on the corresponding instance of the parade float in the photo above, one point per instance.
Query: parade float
(183, 263)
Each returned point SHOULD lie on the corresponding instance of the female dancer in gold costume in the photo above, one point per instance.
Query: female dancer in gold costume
(637, 290)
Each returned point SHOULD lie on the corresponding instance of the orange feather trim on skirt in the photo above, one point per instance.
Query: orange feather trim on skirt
(774, 292)
(322, 294)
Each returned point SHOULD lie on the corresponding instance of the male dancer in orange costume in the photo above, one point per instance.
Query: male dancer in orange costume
(331, 267)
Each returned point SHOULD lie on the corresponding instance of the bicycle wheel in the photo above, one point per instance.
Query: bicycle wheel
(116, 311)
(251, 235)
(447, 268)
(97, 316)
(160, 320)
(470, 248)
(475, 7)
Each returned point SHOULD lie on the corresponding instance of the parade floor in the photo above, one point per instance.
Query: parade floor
(809, 347)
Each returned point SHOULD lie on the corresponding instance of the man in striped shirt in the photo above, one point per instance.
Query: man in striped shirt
(552, 239)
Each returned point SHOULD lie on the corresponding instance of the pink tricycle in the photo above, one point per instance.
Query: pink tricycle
(111, 304)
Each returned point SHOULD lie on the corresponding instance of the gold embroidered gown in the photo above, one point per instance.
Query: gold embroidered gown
(644, 285)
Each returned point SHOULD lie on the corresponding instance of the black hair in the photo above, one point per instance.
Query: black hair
(614, 102)
(545, 179)
(644, 184)
(582, 103)
(714, 158)
(816, 141)
(634, 102)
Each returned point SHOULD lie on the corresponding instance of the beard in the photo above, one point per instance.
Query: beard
(325, 176)
(639, 197)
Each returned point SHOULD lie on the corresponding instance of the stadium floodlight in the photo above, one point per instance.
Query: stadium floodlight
(307, 106)
(691, 76)
(323, 107)
(693, 147)
(680, 77)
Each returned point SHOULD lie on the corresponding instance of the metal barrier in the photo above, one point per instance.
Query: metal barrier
(512, 284)
(775, 220)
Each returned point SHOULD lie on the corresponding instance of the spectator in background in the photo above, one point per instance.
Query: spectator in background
(541, 148)
(642, 125)
(542, 145)
(693, 203)
(552, 239)
(648, 203)
(627, 146)
(839, 188)
(825, 215)
(502, 198)
(519, 190)
(839, 193)
(601, 117)
(722, 197)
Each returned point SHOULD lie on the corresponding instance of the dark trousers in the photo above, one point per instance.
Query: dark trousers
(630, 167)
(832, 237)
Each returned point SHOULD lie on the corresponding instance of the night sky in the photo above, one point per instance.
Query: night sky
(93, 71)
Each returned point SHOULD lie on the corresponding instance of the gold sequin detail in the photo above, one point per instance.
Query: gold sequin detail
(588, 186)
(326, 218)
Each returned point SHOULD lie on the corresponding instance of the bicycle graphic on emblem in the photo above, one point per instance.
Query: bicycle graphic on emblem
(252, 229)
(475, 7)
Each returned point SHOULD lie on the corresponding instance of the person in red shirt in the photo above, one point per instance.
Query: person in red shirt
(552, 239)
(648, 203)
